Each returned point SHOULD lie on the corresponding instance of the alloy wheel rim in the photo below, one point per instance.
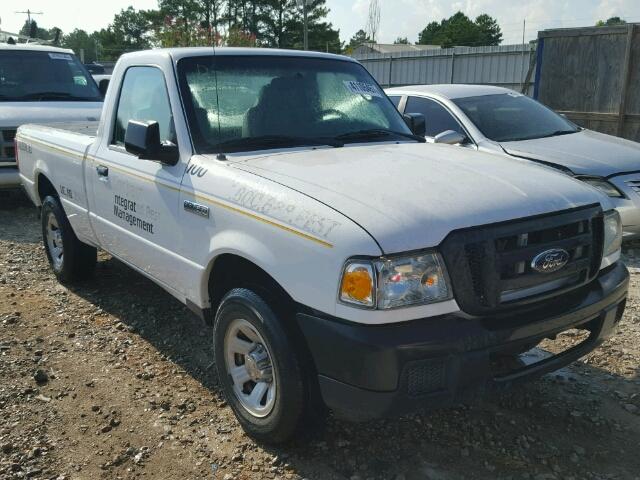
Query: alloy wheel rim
(54, 241)
(250, 368)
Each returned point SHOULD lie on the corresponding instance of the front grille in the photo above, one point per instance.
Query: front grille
(490, 267)
(7, 149)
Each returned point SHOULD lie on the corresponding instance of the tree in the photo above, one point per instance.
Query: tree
(610, 22)
(461, 30)
(33, 31)
(359, 38)
(80, 41)
(401, 41)
(129, 31)
(489, 30)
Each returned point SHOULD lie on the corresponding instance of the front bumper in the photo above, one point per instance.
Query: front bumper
(374, 371)
(9, 177)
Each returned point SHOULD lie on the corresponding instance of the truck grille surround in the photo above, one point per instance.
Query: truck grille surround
(491, 266)
(7, 149)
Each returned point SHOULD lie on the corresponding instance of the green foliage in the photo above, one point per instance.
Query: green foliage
(181, 23)
(79, 41)
(34, 31)
(460, 30)
(359, 38)
(401, 41)
(610, 22)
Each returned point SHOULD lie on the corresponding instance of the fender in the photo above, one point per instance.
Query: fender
(226, 242)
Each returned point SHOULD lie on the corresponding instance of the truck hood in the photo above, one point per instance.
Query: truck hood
(14, 114)
(410, 196)
(584, 153)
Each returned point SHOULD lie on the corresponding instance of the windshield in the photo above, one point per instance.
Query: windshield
(243, 103)
(509, 117)
(31, 76)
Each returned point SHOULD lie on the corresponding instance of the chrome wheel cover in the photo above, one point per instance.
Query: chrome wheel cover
(54, 241)
(250, 368)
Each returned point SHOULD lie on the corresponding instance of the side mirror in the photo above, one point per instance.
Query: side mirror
(450, 137)
(416, 123)
(103, 85)
(143, 140)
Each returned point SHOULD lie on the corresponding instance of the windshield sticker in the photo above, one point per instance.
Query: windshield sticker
(362, 88)
(61, 56)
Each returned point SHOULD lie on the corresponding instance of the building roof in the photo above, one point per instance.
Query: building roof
(394, 47)
(450, 91)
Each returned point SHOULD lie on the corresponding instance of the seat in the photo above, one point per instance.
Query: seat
(283, 108)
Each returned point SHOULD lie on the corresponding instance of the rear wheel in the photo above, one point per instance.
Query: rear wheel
(260, 371)
(70, 259)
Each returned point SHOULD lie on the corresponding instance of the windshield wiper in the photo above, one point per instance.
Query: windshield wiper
(557, 133)
(54, 96)
(238, 144)
(373, 133)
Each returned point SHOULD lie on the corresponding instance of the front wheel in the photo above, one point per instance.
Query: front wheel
(70, 259)
(260, 372)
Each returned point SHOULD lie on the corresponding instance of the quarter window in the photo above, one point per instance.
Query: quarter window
(438, 118)
(144, 97)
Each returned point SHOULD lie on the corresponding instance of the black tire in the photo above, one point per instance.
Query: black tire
(291, 404)
(78, 260)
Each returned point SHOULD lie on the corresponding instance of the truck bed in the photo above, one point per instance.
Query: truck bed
(80, 127)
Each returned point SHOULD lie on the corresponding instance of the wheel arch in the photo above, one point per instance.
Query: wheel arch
(44, 187)
(231, 269)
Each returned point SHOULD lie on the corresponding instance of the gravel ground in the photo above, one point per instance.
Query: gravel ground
(114, 379)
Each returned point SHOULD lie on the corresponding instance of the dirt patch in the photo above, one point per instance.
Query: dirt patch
(114, 379)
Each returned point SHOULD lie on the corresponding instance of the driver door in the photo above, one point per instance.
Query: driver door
(136, 202)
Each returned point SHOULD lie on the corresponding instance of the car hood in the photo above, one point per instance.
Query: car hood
(14, 114)
(584, 153)
(410, 196)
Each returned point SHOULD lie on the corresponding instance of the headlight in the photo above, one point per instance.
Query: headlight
(603, 185)
(612, 234)
(397, 281)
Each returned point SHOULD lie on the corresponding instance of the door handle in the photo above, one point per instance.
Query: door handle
(102, 171)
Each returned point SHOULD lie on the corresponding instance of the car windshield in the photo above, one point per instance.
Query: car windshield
(244, 103)
(31, 76)
(510, 117)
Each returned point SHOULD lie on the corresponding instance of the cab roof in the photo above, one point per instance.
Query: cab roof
(34, 47)
(178, 53)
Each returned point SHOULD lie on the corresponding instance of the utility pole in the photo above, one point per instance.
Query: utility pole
(304, 4)
(524, 28)
(29, 13)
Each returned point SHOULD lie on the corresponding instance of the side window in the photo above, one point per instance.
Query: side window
(144, 97)
(437, 117)
(395, 99)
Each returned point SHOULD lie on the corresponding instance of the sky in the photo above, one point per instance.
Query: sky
(399, 18)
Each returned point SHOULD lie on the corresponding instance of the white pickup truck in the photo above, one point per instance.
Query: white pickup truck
(40, 84)
(342, 262)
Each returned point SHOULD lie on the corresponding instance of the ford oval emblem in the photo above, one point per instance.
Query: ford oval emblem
(550, 261)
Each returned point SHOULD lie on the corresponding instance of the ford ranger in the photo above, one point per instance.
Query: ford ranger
(343, 263)
(40, 84)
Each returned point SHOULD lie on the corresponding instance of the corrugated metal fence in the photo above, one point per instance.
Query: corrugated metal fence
(510, 66)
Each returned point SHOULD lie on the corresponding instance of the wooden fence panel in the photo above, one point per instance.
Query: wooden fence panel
(591, 75)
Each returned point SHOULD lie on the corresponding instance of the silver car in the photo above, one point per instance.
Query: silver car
(499, 120)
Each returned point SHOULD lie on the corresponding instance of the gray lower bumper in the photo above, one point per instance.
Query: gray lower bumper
(9, 177)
